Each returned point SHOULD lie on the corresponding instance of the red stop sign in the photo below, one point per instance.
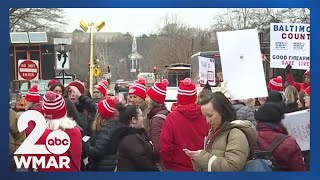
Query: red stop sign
(28, 70)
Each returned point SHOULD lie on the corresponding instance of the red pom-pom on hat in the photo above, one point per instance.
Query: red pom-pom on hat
(165, 82)
(187, 81)
(105, 82)
(51, 96)
(141, 80)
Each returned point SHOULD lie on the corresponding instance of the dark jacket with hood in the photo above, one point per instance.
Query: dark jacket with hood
(184, 128)
(99, 148)
(87, 109)
(156, 125)
(134, 150)
(73, 113)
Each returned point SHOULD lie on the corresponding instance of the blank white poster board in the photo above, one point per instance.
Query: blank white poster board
(241, 62)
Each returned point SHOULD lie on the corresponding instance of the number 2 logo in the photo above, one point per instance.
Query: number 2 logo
(29, 146)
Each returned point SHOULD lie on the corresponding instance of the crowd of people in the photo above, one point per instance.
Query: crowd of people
(201, 132)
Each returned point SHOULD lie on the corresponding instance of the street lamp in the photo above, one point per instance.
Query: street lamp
(85, 26)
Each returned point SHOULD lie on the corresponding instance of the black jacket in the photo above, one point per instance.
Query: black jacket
(99, 149)
(134, 150)
(87, 109)
(86, 103)
(73, 113)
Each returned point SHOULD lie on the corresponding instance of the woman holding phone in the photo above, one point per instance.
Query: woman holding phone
(227, 146)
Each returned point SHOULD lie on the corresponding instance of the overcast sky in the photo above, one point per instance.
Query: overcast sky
(139, 21)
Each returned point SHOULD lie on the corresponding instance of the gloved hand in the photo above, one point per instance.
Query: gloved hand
(288, 69)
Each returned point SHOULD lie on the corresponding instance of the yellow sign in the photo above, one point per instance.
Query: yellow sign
(96, 71)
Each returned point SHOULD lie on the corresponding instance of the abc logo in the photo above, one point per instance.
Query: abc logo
(58, 142)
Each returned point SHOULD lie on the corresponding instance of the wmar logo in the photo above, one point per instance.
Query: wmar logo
(41, 155)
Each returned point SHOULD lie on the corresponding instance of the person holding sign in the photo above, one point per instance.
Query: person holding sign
(269, 128)
(299, 86)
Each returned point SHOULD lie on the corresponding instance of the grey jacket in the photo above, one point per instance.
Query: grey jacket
(244, 112)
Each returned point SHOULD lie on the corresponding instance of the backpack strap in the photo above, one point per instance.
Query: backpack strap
(278, 141)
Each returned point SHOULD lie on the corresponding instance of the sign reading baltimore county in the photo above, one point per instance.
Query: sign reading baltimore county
(290, 44)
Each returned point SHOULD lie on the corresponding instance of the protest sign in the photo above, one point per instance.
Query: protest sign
(207, 70)
(241, 64)
(290, 44)
(298, 126)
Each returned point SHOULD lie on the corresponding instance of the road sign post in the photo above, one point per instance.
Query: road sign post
(62, 59)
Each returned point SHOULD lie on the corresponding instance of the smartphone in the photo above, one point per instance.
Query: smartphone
(85, 138)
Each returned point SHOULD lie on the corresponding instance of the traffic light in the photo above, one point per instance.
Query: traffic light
(108, 70)
(154, 69)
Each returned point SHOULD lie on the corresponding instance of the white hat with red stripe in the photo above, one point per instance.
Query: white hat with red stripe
(158, 91)
(107, 107)
(275, 84)
(33, 94)
(139, 88)
(103, 87)
(53, 106)
(187, 92)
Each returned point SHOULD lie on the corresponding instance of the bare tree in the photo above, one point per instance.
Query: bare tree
(174, 42)
(35, 19)
(244, 18)
(118, 49)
